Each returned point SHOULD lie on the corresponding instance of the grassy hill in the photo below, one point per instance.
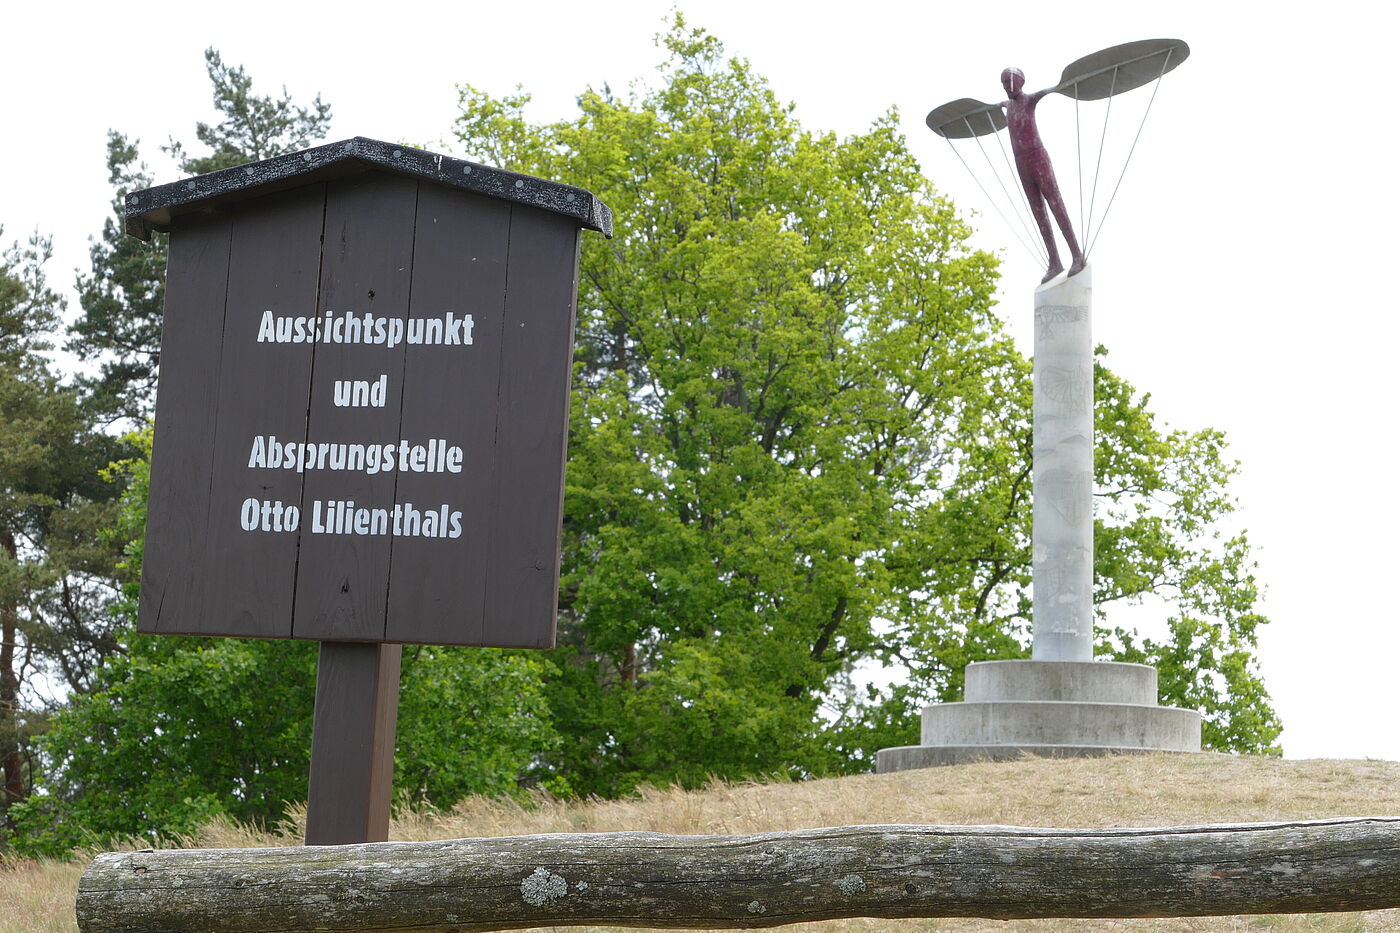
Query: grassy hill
(1149, 790)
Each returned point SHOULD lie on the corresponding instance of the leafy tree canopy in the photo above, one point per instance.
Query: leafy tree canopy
(53, 591)
(254, 127)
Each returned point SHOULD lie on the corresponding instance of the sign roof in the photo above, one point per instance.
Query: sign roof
(153, 208)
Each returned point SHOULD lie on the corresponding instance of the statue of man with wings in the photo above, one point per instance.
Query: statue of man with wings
(1037, 175)
(1093, 77)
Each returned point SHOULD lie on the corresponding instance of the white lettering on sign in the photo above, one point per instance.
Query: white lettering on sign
(436, 456)
(343, 517)
(433, 455)
(262, 515)
(450, 330)
(361, 393)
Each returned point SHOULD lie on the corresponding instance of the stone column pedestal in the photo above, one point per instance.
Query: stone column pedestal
(1062, 476)
(1056, 709)
(1061, 703)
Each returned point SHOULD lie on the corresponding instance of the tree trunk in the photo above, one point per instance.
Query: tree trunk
(629, 666)
(657, 880)
(11, 762)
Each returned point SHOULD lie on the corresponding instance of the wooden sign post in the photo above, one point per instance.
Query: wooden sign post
(360, 424)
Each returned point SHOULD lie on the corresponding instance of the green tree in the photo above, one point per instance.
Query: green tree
(254, 127)
(800, 443)
(122, 299)
(52, 592)
(123, 295)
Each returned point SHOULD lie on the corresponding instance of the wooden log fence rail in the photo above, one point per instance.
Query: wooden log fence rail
(760, 880)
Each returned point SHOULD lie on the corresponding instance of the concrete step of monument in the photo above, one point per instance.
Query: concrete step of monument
(1078, 681)
(1045, 722)
(909, 757)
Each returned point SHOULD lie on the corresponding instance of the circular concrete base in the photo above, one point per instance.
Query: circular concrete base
(1044, 722)
(908, 757)
(1055, 709)
(1081, 681)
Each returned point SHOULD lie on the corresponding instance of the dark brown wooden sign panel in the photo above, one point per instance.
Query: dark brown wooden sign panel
(425, 593)
(356, 398)
(196, 276)
(246, 577)
(527, 494)
(361, 419)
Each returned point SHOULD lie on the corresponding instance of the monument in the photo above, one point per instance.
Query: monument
(1061, 702)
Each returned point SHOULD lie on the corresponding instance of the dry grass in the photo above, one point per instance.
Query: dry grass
(1129, 791)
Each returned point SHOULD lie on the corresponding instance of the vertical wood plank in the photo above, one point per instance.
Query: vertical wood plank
(196, 284)
(459, 268)
(522, 582)
(352, 743)
(274, 262)
(367, 269)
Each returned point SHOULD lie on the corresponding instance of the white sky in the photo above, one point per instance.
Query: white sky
(1238, 278)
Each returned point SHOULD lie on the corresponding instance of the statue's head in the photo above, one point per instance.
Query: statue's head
(1012, 79)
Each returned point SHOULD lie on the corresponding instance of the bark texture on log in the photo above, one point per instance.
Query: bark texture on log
(761, 880)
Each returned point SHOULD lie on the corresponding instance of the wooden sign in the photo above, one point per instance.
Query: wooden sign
(361, 420)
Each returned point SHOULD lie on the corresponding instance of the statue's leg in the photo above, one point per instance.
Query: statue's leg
(1042, 220)
(1051, 189)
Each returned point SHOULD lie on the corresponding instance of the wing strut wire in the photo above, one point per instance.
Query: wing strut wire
(992, 201)
(1079, 163)
(1103, 135)
(1131, 149)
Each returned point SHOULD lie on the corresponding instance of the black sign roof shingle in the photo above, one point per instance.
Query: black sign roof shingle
(154, 208)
